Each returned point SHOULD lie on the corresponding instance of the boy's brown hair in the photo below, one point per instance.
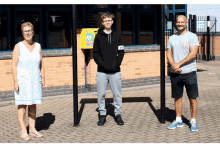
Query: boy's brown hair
(107, 14)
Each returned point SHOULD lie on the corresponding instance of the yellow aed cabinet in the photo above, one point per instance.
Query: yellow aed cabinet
(87, 37)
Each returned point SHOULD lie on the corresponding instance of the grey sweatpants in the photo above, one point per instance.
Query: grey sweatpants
(115, 84)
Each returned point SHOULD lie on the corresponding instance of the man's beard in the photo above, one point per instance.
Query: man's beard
(181, 29)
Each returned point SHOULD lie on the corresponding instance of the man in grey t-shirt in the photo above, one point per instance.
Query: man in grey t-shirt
(181, 53)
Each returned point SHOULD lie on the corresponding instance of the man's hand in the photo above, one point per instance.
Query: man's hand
(175, 66)
(178, 70)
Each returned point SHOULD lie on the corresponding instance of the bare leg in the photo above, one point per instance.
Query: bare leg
(32, 116)
(193, 107)
(22, 121)
(32, 119)
(21, 112)
(178, 106)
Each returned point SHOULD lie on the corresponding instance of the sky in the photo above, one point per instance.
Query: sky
(205, 10)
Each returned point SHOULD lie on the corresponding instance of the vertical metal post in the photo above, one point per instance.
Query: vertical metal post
(86, 62)
(74, 59)
(137, 33)
(172, 30)
(190, 23)
(15, 26)
(208, 40)
(194, 23)
(86, 52)
(215, 25)
(134, 28)
(41, 25)
(84, 16)
(155, 28)
(115, 13)
(9, 29)
(46, 21)
(162, 65)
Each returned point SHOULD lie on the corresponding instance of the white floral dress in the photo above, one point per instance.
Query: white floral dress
(29, 76)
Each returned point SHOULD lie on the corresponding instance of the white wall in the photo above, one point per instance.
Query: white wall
(205, 10)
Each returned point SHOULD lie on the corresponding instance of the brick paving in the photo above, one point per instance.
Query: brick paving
(141, 113)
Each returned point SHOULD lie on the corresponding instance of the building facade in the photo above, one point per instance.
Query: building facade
(139, 26)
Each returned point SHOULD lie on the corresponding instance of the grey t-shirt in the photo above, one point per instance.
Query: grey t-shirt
(180, 48)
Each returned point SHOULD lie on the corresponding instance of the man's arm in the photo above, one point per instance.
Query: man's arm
(193, 51)
(121, 51)
(96, 52)
(171, 61)
(170, 56)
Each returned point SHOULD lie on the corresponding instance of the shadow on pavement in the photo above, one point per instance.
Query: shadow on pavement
(170, 114)
(44, 122)
(200, 70)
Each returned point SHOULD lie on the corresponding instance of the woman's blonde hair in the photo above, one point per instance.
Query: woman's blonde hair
(27, 24)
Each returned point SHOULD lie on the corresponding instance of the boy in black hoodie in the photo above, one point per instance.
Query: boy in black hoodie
(108, 52)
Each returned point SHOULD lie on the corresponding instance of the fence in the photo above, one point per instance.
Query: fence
(205, 28)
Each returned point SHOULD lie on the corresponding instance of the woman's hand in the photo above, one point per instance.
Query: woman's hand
(43, 82)
(16, 87)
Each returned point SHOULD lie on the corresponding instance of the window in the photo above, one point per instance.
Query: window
(33, 17)
(178, 6)
(169, 7)
(58, 29)
(124, 6)
(147, 22)
(148, 6)
(101, 6)
(179, 13)
(3, 31)
(92, 20)
(126, 21)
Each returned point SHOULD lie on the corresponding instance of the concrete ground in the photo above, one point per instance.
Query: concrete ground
(141, 114)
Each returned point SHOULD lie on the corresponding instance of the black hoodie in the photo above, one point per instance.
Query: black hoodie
(106, 53)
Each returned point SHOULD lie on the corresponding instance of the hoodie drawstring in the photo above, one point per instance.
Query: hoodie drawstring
(110, 38)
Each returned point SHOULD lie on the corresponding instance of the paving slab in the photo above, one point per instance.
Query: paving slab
(140, 112)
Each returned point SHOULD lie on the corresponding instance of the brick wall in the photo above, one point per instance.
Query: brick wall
(6, 75)
(141, 66)
(134, 65)
(58, 70)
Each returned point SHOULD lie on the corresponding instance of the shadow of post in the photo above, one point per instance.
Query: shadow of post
(170, 114)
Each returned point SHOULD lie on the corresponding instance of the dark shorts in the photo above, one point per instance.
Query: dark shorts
(190, 82)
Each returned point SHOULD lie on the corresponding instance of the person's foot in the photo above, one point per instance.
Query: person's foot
(119, 120)
(24, 136)
(35, 133)
(175, 124)
(102, 120)
(194, 127)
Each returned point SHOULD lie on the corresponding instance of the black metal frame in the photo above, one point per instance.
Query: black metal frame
(74, 59)
(162, 65)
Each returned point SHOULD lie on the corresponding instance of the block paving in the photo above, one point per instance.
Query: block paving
(140, 112)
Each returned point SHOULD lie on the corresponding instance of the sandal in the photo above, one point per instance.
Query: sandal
(35, 133)
(24, 137)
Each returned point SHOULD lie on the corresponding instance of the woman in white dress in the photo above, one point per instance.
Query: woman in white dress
(29, 78)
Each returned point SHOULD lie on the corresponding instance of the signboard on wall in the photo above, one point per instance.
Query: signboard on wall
(87, 37)
(169, 25)
(200, 24)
